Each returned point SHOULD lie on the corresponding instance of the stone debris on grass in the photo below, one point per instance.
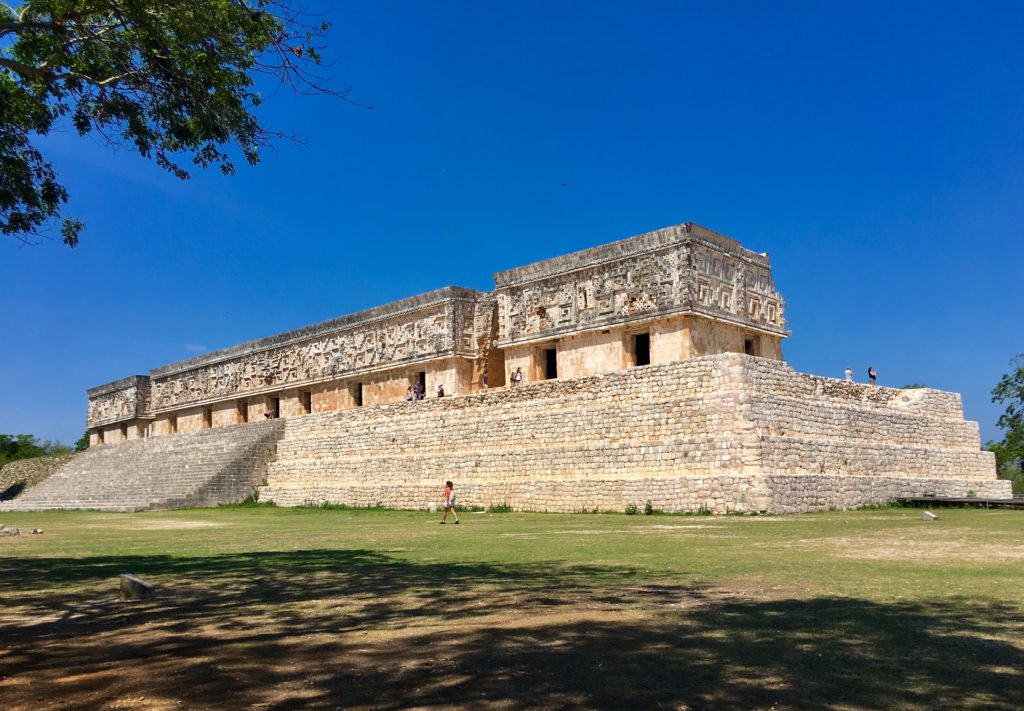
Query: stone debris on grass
(135, 588)
(929, 516)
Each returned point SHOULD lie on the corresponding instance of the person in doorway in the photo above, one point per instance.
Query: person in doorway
(268, 414)
(448, 502)
(409, 394)
(872, 375)
(440, 390)
(484, 381)
(517, 377)
(849, 374)
(417, 392)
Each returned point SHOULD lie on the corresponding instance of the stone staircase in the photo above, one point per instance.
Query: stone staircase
(204, 468)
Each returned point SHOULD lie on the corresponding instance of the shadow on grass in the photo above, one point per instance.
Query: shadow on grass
(325, 628)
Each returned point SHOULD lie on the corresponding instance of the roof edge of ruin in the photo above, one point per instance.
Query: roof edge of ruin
(623, 249)
(115, 385)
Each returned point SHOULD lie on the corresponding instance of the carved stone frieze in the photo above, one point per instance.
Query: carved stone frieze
(122, 400)
(683, 273)
(741, 291)
(425, 334)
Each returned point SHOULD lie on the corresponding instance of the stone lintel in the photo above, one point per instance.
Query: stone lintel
(646, 317)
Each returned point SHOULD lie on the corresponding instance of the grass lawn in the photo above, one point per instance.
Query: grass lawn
(294, 608)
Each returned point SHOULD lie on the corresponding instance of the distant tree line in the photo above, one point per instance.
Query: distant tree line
(1010, 450)
(24, 446)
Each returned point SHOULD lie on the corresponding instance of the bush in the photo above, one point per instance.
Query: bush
(632, 510)
(499, 508)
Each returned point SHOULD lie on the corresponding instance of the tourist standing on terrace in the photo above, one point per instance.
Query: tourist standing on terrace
(449, 502)
(849, 374)
(409, 396)
(517, 377)
(440, 390)
(872, 375)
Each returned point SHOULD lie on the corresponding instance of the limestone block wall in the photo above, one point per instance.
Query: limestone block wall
(727, 432)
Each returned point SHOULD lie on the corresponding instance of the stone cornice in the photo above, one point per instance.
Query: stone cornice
(625, 249)
(122, 384)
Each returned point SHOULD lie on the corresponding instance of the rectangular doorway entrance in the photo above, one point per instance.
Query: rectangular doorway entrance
(550, 363)
(642, 349)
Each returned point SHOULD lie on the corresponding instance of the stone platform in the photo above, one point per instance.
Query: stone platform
(724, 433)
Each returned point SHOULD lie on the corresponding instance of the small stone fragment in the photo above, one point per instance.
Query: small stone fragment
(133, 588)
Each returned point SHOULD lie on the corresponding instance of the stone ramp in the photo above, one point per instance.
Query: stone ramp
(204, 468)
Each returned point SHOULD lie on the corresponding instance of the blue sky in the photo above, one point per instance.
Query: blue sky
(875, 151)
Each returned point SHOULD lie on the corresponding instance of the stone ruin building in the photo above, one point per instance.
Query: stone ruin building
(652, 370)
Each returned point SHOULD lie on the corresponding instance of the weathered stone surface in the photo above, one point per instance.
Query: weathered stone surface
(685, 269)
(726, 433)
(121, 400)
(134, 588)
(16, 477)
(205, 468)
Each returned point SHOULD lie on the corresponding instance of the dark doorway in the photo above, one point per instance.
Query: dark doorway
(550, 363)
(172, 422)
(207, 418)
(423, 383)
(243, 411)
(642, 348)
(357, 394)
(307, 402)
(748, 346)
(275, 407)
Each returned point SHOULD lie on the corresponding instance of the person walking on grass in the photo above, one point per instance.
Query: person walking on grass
(449, 502)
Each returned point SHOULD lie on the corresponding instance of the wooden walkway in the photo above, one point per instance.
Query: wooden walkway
(938, 501)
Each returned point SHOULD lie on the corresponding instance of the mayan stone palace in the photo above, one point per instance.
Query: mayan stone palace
(645, 369)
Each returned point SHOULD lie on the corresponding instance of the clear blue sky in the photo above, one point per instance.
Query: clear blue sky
(875, 151)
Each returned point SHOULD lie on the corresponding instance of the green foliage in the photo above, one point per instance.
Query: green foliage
(23, 446)
(82, 443)
(914, 386)
(499, 508)
(172, 79)
(251, 501)
(632, 510)
(1010, 451)
(649, 509)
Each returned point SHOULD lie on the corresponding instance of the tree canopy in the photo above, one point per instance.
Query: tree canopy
(23, 446)
(1010, 451)
(172, 79)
